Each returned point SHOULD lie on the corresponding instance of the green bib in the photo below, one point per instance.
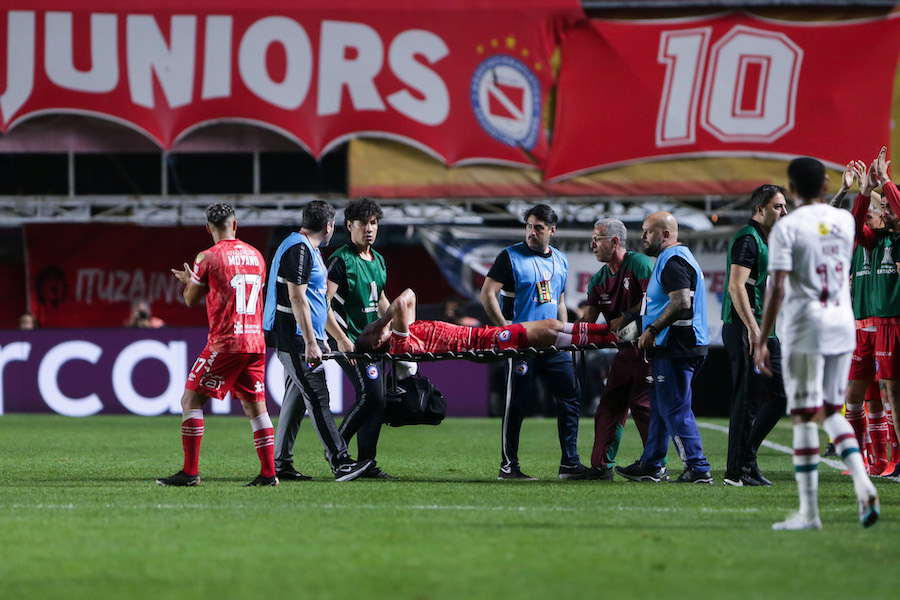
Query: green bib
(883, 289)
(365, 283)
(756, 289)
(861, 287)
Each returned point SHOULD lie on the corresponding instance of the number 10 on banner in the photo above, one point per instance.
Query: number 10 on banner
(749, 92)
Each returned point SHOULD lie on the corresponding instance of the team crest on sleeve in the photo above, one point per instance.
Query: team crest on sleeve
(506, 100)
(521, 368)
(504, 335)
(372, 372)
(823, 229)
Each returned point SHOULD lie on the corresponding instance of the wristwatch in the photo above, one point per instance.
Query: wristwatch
(653, 330)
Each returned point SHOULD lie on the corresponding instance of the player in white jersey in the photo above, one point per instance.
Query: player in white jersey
(809, 292)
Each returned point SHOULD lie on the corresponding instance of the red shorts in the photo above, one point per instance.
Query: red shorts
(873, 392)
(862, 367)
(501, 338)
(887, 344)
(214, 374)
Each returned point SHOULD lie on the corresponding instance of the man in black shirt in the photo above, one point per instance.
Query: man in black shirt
(745, 286)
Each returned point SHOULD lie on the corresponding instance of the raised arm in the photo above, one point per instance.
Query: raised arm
(193, 291)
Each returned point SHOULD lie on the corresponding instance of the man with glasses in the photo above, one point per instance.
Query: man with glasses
(614, 292)
(530, 278)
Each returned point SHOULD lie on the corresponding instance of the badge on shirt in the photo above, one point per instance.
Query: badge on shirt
(544, 292)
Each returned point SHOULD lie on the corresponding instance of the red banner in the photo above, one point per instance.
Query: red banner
(463, 80)
(88, 275)
(730, 85)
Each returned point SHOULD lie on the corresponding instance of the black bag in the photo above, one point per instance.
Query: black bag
(414, 401)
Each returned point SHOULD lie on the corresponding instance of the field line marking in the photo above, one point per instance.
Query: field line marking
(835, 464)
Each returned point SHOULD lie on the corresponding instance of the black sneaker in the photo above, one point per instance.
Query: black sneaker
(756, 475)
(578, 471)
(179, 479)
(261, 481)
(600, 474)
(830, 451)
(292, 474)
(376, 473)
(514, 473)
(348, 470)
(692, 476)
(638, 471)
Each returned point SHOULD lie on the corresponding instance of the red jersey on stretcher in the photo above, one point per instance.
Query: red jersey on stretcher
(440, 336)
(235, 273)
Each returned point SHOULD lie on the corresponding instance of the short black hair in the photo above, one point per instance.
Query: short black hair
(362, 209)
(543, 213)
(317, 215)
(218, 214)
(763, 195)
(807, 175)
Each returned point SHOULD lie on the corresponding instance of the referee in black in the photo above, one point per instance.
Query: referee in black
(747, 267)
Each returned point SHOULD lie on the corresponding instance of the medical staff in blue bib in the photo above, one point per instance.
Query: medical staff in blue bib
(529, 278)
(676, 338)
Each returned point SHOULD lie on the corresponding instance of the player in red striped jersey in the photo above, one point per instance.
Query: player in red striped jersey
(230, 275)
(398, 332)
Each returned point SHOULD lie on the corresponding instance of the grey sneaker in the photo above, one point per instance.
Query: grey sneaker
(349, 470)
(638, 471)
(692, 476)
(578, 471)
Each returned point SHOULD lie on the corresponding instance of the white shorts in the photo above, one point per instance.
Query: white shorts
(811, 380)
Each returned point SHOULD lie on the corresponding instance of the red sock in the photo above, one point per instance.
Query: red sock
(856, 416)
(264, 440)
(596, 333)
(892, 433)
(191, 436)
(878, 431)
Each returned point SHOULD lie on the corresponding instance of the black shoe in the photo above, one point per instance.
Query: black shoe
(348, 470)
(179, 479)
(830, 451)
(578, 471)
(638, 471)
(514, 473)
(292, 474)
(376, 473)
(261, 481)
(756, 475)
(600, 474)
(744, 479)
(692, 476)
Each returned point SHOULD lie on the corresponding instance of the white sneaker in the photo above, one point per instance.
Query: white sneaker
(796, 521)
(869, 509)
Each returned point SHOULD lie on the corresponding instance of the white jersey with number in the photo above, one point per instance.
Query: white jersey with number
(814, 244)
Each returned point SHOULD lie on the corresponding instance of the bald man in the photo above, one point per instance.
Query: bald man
(676, 338)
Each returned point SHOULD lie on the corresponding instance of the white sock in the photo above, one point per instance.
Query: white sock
(563, 340)
(261, 422)
(838, 429)
(192, 413)
(568, 327)
(806, 467)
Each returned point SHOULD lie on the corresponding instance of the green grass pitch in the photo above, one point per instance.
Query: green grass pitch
(81, 517)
